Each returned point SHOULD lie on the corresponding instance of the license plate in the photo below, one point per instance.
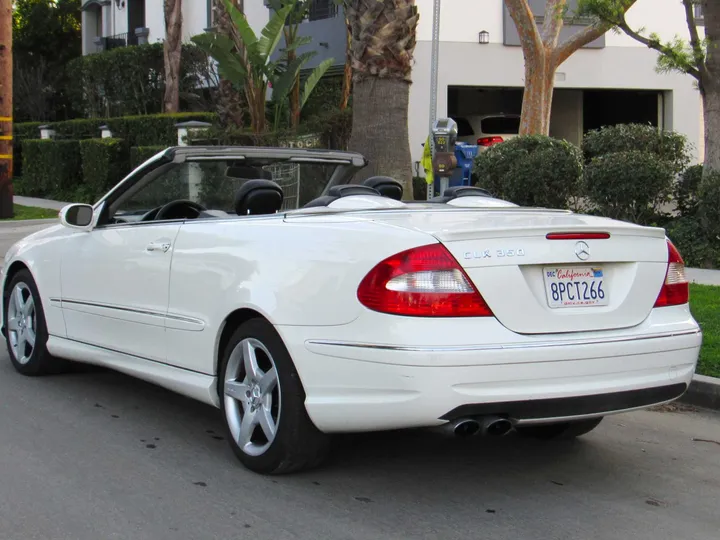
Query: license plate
(575, 286)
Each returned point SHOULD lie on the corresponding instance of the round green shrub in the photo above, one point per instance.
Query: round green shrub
(630, 185)
(686, 190)
(668, 146)
(531, 170)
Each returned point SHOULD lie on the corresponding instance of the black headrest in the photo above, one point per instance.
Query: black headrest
(247, 172)
(321, 201)
(258, 197)
(352, 189)
(388, 187)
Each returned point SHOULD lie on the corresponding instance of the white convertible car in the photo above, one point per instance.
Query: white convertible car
(260, 282)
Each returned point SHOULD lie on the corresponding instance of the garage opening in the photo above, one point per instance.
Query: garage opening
(574, 111)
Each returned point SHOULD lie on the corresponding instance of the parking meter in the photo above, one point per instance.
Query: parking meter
(444, 136)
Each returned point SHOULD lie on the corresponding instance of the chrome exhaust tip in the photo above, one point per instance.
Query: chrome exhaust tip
(495, 426)
(465, 427)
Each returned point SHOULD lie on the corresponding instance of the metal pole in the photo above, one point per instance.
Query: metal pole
(434, 59)
(6, 110)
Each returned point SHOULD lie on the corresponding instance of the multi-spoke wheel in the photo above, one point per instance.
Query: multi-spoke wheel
(25, 329)
(263, 402)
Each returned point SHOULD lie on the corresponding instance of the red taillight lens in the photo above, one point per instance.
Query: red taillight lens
(676, 289)
(489, 141)
(425, 281)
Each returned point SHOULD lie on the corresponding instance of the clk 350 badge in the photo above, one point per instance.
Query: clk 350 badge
(498, 253)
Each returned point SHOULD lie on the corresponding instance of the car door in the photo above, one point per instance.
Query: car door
(115, 277)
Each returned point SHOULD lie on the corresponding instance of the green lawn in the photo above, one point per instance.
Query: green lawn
(705, 307)
(30, 212)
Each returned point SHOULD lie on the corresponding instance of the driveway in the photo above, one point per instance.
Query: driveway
(97, 455)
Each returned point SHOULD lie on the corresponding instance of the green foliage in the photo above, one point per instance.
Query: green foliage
(140, 154)
(686, 190)
(21, 132)
(158, 129)
(532, 170)
(327, 93)
(254, 71)
(104, 163)
(130, 80)
(51, 169)
(675, 55)
(46, 36)
(335, 127)
(630, 185)
(668, 146)
(630, 170)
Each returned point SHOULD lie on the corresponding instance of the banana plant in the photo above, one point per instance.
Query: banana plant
(245, 59)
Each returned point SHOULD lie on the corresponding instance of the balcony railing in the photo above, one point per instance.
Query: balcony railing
(119, 40)
(322, 9)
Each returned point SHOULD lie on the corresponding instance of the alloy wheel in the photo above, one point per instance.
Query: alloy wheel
(252, 397)
(22, 323)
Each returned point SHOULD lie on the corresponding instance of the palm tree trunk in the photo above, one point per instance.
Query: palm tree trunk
(172, 53)
(347, 73)
(380, 129)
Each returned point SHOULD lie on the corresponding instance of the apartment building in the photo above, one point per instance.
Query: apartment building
(481, 66)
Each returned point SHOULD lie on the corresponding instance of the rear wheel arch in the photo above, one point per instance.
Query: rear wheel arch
(231, 323)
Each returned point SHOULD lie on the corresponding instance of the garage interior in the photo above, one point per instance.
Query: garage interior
(574, 112)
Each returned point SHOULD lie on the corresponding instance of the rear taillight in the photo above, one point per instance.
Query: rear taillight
(675, 290)
(425, 281)
(489, 141)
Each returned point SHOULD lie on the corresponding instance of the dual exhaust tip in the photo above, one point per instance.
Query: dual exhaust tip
(494, 426)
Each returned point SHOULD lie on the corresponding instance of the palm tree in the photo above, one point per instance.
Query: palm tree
(382, 47)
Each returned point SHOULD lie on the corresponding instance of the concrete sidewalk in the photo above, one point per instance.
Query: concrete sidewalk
(39, 203)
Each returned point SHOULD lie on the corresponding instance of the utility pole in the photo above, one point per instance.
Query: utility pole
(6, 110)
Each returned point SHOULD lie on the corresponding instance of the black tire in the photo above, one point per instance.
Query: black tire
(565, 430)
(298, 444)
(39, 361)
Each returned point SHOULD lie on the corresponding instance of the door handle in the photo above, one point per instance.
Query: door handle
(158, 246)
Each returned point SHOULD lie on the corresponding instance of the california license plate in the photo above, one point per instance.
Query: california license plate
(573, 286)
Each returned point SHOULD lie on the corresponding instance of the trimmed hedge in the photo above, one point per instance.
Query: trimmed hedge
(531, 170)
(51, 169)
(104, 163)
(140, 154)
(21, 132)
(156, 129)
(130, 80)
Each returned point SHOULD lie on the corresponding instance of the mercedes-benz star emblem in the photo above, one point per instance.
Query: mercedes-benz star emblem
(582, 250)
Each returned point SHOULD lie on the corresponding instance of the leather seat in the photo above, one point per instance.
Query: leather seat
(388, 187)
(257, 197)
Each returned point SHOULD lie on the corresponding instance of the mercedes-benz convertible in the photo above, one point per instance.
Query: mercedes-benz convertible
(266, 283)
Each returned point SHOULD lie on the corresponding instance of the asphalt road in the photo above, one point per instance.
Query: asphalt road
(97, 455)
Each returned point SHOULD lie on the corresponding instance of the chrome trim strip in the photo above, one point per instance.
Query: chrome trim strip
(499, 347)
(133, 310)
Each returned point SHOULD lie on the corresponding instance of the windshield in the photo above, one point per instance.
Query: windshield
(214, 183)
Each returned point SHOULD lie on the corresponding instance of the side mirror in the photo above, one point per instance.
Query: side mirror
(77, 216)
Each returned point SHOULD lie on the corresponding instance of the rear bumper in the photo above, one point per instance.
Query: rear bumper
(359, 386)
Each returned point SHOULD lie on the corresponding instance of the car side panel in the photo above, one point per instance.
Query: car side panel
(41, 253)
(296, 274)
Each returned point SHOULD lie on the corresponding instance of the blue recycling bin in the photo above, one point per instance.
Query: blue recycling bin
(465, 155)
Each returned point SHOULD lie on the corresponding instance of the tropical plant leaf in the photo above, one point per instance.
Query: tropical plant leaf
(222, 50)
(314, 79)
(284, 83)
(300, 41)
(273, 31)
(248, 37)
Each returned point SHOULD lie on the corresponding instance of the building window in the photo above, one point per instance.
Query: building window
(699, 17)
(322, 9)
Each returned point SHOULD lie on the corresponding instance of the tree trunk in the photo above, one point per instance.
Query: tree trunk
(347, 73)
(711, 116)
(380, 130)
(172, 53)
(537, 99)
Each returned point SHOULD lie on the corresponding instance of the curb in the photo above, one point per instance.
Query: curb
(703, 392)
